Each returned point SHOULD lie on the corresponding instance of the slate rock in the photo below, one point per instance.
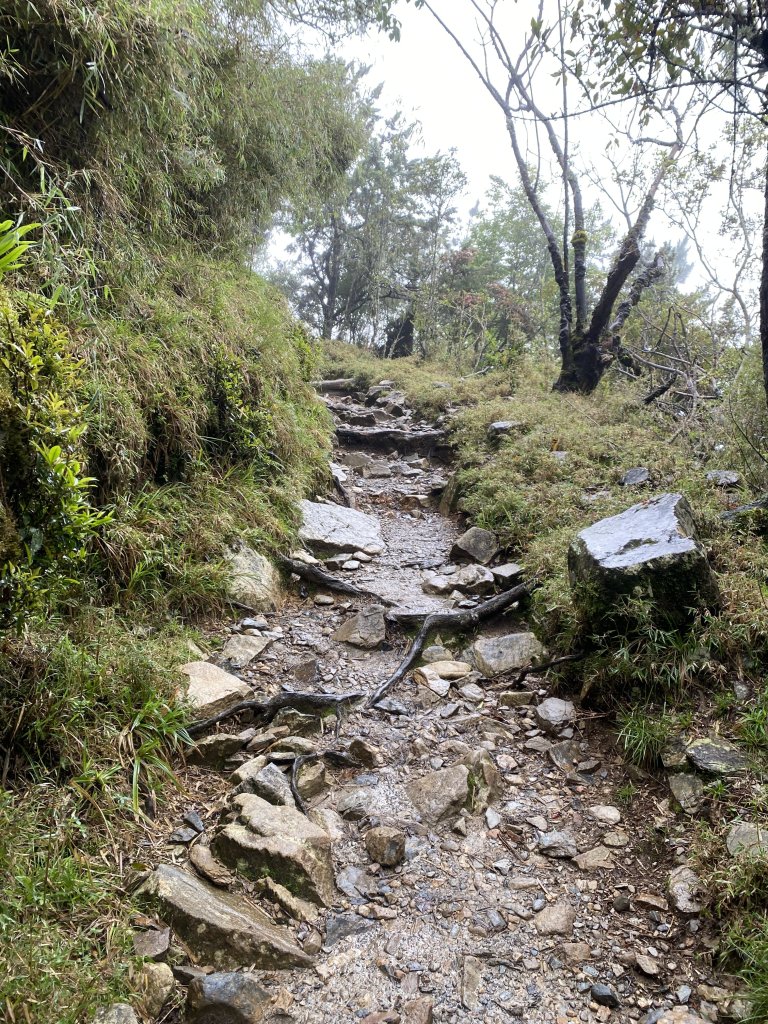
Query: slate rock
(336, 529)
(725, 478)
(684, 885)
(278, 842)
(341, 926)
(241, 649)
(367, 629)
(555, 920)
(604, 995)
(475, 545)
(495, 654)
(441, 794)
(716, 756)
(205, 864)
(219, 929)
(566, 755)
(651, 547)
(152, 944)
(254, 581)
(385, 845)
(226, 998)
(500, 428)
(744, 837)
(635, 477)
(688, 791)
(354, 804)
(554, 713)
(557, 844)
(272, 785)
(211, 690)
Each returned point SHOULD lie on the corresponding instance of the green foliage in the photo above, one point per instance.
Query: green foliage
(643, 733)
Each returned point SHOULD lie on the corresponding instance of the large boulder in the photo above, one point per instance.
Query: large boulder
(650, 549)
(219, 928)
(211, 690)
(333, 529)
(254, 581)
(280, 843)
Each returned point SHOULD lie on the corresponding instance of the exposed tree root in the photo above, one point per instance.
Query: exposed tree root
(451, 621)
(265, 710)
(313, 574)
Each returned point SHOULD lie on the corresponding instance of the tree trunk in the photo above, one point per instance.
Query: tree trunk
(764, 291)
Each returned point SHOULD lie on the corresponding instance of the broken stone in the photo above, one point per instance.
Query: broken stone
(354, 804)
(365, 753)
(470, 579)
(683, 885)
(555, 920)
(440, 795)
(652, 547)
(254, 581)
(605, 814)
(747, 838)
(594, 860)
(270, 784)
(341, 926)
(155, 985)
(557, 844)
(294, 906)
(576, 952)
(505, 574)
(604, 995)
(153, 943)
(214, 750)
(336, 529)
(418, 1011)
(219, 928)
(367, 629)
(226, 998)
(385, 845)
(725, 478)
(475, 544)
(241, 649)
(716, 756)
(484, 781)
(688, 790)
(280, 843)
(118, 1013)
(203, 861)
(565, 755)
(500, 428)
(311, 780)
(635, 477)
(471, 979)
(211, 690)
(553, 714)
(495, 654)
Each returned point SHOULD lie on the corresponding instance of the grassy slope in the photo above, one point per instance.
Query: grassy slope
(656, 682)
(202, 427)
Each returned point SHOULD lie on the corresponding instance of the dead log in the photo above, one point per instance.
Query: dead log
(313, 574)
(451, 621)
(265, 710)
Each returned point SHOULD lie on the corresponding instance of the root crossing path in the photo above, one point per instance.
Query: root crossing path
(474, 850)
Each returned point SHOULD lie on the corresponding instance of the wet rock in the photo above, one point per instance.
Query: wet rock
(747, 838)
(688, 790)
(335, 528)
(219, 928)
(272, 785)
(605, 814)
(214, 750)
(203, 861)
(557, 844)
(440, 795)
(241, 649)
(635, 477)
(652, 546)
(367, 629)
(475, 545)
(211, 690)
(716, 756)
(254, 581)
(118, 1013)
(604, 995)
(152, 944)
(555, 920)
(725, 478)
(553, 714)
(385, 845)
(226, 998)
(684, 885)
(341, 926)
(155, 985)
(278, 842)
(495, 654)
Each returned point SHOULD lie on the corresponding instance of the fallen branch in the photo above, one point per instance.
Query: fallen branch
(507, 684)
(267, 709)
(321, 578)
(452, 621)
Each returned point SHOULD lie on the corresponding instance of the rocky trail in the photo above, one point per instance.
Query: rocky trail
(473, 849)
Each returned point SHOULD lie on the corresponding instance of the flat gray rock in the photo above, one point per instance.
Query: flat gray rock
(554, 714)
(118, 1013)
(367, 629)
(725, 478)
(241, 649)
(747, 838)
(233, 998)
(254, 581)
(557, 844)
(336, 529)
(495, 654)
(684, 886)
(211, 690)
(651, 547)
(716, 756)
(635, 477)
(441, 794)
(470, 579)
(219, 929)
(688, 790)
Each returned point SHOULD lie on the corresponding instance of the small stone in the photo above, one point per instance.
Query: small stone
(576, 952)
(683, 885)
(647, 965)
(554, 713)
(365, 753)
(635, 477)
(418, 1011)
(118, 1013)
(152, 944)
(604, 995)
(385, 845)
(230, 998)
(324, 600)
(471, 979)
(688, 791)
(472, 692)
(214, 750)
(367, 629)
(354, 804)
(605, 814)
(716, 756)
(311, 780)
(211, 690)
(745, 837)
(508, 572)
(182, 835)
(597, 859)
(557, 844)
(500, 428)
(203, 861)
(555, 920)
(475, 544)
(341, 926)
(193, 819)
(436, 653)
(155, 985)
(492, 818)
(240, 651)
(725, 478)
(621, 903)
(616, 839)
(271, 785)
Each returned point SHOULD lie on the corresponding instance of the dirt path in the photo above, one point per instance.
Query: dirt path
(545, 900)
